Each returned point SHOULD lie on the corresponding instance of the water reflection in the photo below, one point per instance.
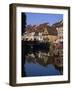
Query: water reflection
(40, 63)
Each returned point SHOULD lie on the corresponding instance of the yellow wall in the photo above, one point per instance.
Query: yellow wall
(50, 37)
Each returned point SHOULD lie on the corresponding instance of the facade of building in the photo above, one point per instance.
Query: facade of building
(43, 32)
(59, 27)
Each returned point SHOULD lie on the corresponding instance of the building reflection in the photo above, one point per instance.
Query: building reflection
(44, 59)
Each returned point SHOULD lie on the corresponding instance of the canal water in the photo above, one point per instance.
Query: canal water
(40, 63)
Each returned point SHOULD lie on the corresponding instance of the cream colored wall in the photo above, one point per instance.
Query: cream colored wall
(52, 38)
(60, 31)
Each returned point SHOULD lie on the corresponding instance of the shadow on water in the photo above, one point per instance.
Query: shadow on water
(23, 19)
(36, 60)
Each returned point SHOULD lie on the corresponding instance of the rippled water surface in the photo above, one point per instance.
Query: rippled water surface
(41, 64)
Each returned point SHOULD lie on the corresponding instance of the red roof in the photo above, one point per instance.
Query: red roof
(40, 28)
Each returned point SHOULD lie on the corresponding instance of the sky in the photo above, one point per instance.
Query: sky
(37, 18)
